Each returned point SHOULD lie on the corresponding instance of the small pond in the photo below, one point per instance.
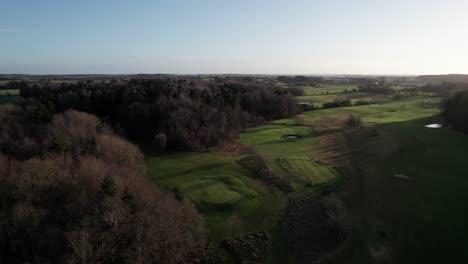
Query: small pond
(291, 137)
(433, 126)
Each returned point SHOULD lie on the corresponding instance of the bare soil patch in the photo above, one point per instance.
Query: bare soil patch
(333, 149)
(258, 166)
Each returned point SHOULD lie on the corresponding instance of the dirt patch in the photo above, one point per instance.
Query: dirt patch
(327, 123)
(333, 149)
(251, 249)
(231, 149)
(257, 165)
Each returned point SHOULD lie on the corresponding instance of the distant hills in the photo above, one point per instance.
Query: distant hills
(429, 79)
(454, 78)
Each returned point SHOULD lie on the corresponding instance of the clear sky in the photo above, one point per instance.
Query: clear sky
(234, 36)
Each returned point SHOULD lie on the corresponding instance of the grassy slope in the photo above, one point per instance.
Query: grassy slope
(220, 188)
(391, 111)
(420, 220)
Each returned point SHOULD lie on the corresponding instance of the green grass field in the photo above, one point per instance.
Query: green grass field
(396, 219)
(220, 188)
(9, 92)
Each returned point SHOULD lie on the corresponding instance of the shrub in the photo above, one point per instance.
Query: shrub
(354, 121)
(337, 103)
(363, 102)
(304, 107)
(160, 141)
(296, 91)
(455, 110)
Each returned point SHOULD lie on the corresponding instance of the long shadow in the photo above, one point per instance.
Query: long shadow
(184, 172)
(393, 214)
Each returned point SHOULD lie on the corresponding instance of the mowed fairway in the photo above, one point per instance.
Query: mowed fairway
(220, 188)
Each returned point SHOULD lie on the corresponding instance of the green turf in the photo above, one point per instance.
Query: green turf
(303, 171)
(220, 188)
(390, 111)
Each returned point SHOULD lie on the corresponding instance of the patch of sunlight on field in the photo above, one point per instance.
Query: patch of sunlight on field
(268, 134)
(393, 111)
(306, 171)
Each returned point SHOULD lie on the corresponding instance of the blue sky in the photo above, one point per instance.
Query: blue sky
(220, 36)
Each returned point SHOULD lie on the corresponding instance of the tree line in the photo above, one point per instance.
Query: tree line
(71, 191)
(455, 109)
(171, 113)
(301, 80)
(443, 89)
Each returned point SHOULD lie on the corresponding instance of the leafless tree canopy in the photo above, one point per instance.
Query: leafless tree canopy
(77, 193)
(191, 114)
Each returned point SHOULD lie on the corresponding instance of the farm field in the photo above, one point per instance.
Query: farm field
(325, 154)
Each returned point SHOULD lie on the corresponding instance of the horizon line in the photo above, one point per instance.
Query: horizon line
(232, 73)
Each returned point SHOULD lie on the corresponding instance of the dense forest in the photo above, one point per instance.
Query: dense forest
(74, 192)
(174, 114)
